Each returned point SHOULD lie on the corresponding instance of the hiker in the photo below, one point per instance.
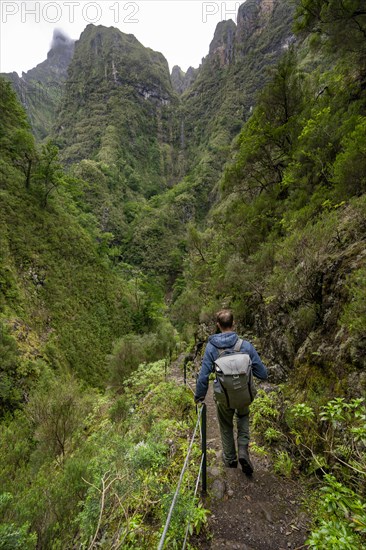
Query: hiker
(229, 341)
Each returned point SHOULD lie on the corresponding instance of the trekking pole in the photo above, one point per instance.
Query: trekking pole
(185, 373)
(204, 447)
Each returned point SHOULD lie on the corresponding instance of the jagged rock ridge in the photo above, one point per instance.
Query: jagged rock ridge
(223, 43)
(40, 89)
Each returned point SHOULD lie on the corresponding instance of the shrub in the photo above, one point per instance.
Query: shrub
(354, 313)
(13, 537)
(340, 518)
(283, 464)
(56, 409)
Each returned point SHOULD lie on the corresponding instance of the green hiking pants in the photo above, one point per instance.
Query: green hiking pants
(226, 423)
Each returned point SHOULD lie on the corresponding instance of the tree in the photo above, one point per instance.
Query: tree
(266, 143)
(16, 140)
(23, 152)
(49, 169)
(341, 22)
(56, 409)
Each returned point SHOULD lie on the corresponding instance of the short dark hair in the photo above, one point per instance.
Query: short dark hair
(225, 318)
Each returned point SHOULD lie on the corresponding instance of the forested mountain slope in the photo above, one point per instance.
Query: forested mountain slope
(115, 108)
(40, 89)
(122, 129)
(285, 244)
(69, 323)
(62, 304)
(210, 113)
(117, 127)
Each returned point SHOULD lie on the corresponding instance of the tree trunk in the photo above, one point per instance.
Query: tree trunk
(28, 174)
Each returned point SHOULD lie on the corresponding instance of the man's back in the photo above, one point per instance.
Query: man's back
(217, 342)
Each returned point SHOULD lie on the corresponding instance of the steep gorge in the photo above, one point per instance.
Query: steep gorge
(239, 184)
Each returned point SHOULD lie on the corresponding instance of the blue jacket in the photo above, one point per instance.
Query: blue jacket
(222, 341)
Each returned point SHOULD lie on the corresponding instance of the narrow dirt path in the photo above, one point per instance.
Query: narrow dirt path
(261, 512)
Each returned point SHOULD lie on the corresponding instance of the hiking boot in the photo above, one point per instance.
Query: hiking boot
(232, 464)
(245, 461)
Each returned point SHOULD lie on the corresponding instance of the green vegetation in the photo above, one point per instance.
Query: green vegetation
(132, 222)
(117, 112)
(80, 464)
(289, 227)
(62, 302)
(84, 467)
(284, 247)
(327, 440)
(341, 517)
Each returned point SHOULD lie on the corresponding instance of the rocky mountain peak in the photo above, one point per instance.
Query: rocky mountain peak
(58, 59)
(41, 88)
(222, 45)
(181, 80)
(61, 41)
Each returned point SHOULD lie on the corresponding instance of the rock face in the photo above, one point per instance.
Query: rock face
(254, 17)
(40, 89)
(235, 69)
(117, 107)
(249, 20)
(177, 78)
(263, 25)
(57, 62)
(310, 339)
(181, 80)
(223, 43)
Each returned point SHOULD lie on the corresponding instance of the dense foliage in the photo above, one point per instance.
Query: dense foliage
(63, 305)
(62, 302)
(83, 467)
(285, 248)
(287, 235)
(144, 210)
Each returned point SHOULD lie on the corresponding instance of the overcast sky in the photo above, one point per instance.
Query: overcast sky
(181, 29)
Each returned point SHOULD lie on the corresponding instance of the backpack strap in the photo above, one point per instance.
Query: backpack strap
(238, 345)
(236, 348)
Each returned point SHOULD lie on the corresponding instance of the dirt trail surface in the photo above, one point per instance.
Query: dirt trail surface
(261, 512)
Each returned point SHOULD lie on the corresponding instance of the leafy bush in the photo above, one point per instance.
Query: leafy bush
(12, 536)
(283, 464)
(350, 166)
(340, 518)
(132, 350)
(80, 470)
(338, 430)
(264, 412)
(56, 410)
